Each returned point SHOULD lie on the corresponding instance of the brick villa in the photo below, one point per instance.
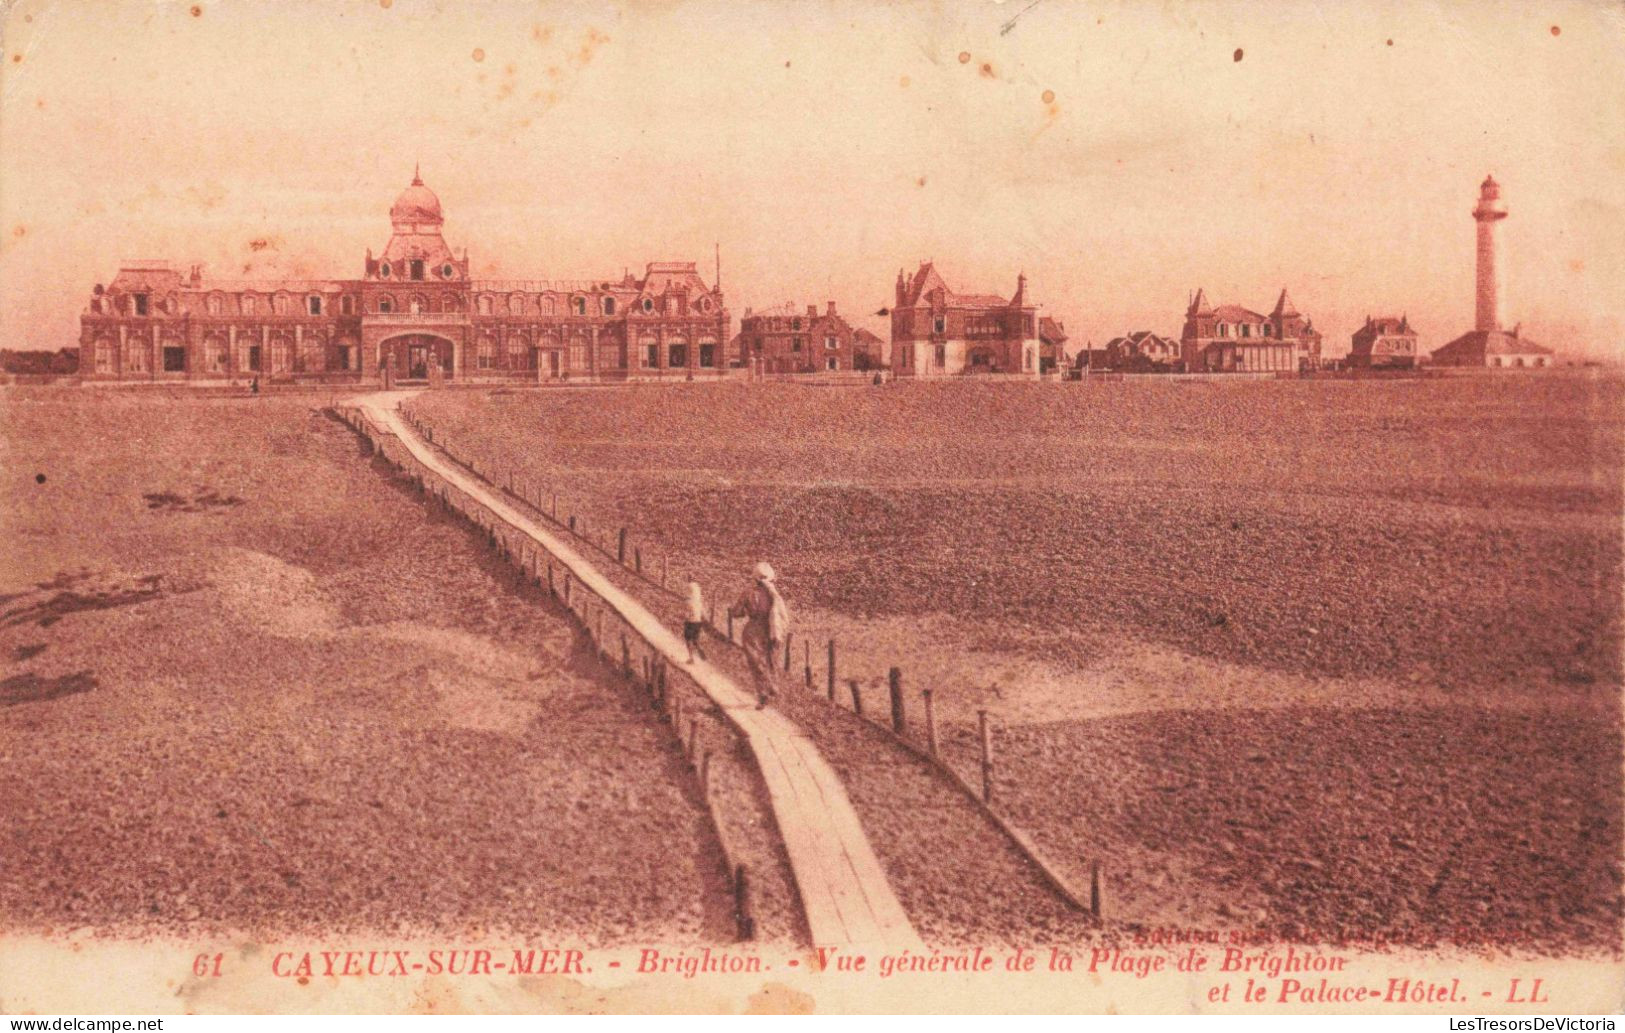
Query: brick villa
(938, 333)
(415, 313)
(1232, 339)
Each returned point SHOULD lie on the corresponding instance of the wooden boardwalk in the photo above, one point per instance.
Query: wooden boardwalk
(844, 891)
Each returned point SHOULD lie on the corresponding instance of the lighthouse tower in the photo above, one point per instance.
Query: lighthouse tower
(1490, 211)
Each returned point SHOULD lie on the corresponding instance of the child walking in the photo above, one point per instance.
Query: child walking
(694, 621)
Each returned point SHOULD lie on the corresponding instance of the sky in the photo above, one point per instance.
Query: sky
(1121, 155)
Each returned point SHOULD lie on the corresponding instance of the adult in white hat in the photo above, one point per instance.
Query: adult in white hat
(767, 622)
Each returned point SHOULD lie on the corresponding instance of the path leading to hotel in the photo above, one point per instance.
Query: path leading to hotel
(843, 889)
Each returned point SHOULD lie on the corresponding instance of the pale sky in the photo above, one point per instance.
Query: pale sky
(825, 145)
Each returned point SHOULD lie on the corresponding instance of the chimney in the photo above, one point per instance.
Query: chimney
(812, 311)
(831, 310)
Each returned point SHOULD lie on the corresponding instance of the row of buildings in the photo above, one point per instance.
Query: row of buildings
(418, 314)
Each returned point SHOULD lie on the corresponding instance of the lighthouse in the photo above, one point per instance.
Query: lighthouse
(1486, 344)
(1490, 211)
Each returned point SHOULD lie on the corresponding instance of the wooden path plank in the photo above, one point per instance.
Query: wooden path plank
(844, 891)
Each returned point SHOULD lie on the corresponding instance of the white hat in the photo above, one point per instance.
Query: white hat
(764, 572)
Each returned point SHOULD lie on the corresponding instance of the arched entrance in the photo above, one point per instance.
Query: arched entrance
(414, 356)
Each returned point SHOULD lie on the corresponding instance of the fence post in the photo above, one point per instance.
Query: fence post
(692, 749)
(572, 523)
(806, 650)
(705, 773)
(831, 671)
(620, 549)
(730, 625)
(894, 678)
(857, 696)
(1094, 888)
(637, 558)
(742, 911)
(626, 655)
(663, 564)
(930, 724)
(787, 645)
(987, 757)
(550, 589)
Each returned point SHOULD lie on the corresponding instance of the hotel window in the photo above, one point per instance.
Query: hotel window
(1224, 330)
(140, 304)
(384, 270)
(446, 271)
(677, 356)
(214, 304)
(215, 355)
(579, 306)
(795, 342)
(609, 306)
(708, 355)
(487, 353)
(174, 359)
(648, 304)
(104, 356)
(795, 324)
(347, 305)
(386, 304)
(942, 356)
(315, 304)
(135, 356)
(829, 343)
(518, 353)
(279, 305)
(651, 356)
(516, 304)
(484, 304)
(1246, 329)
(940, 325)
(416, 267)
(249, 304)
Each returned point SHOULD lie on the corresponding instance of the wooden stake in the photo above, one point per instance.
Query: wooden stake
(1094, 888)
(620, 549)
(830, 672)
(786, 652)
(742, 908)
(894, 678)
(987, 757)
(637, 559)
(930, 724)
(806, 649)
(857, 696)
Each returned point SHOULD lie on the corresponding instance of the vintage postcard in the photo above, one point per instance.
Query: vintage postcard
(717, 506)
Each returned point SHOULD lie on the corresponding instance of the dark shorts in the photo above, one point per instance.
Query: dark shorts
(691, 631)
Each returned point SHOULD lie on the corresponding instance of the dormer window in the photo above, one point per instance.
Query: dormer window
(648, 304)
(1224, 329)
(609, 306)
(939, 325)
(385, 271)
(416, 268)
(705, 304)
(446, 271)
(314, 303)
(578, 305)
(140, 304)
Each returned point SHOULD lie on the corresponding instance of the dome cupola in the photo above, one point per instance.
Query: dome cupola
(417, 205)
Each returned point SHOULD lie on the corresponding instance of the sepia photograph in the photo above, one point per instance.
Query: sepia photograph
(831, 507)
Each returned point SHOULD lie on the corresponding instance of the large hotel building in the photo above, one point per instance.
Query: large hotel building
(414, 315)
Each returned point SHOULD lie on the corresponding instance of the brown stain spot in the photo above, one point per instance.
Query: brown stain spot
(19, 231)
(259, 244)
(903, 82)
(305, 980)
(541, 33)
(1237, 55)
(986, 70)
(920, 182)
(1557, 30)
(1048, 97)
(16, 59)
(197, 11)
(40, 103)
(479, 54)
(964, 57)
(1577, 265)
(787, 64)
(385, 4)
(1390, 43)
